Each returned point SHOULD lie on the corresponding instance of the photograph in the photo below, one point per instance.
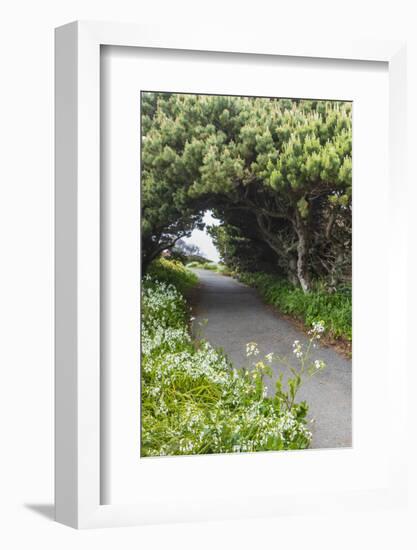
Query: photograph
(209, 269)
(208, 275)
(246, 274)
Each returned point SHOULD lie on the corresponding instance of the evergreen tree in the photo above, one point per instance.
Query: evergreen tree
(278, 172)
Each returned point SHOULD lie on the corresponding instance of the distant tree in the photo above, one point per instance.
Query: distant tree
(187, 252)
(189, 249)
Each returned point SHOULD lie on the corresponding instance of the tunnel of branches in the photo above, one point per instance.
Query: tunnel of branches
(277, 173)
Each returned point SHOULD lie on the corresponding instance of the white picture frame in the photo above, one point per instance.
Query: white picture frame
(78, 411)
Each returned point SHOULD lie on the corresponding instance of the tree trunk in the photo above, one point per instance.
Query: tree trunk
(148, 257)
(149, 254)
(292, 271)
(285, 251)
(302, 254)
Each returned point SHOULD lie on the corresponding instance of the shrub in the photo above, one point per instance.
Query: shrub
(211, 266)
(172, 271)
(203, 265)
(334, 308)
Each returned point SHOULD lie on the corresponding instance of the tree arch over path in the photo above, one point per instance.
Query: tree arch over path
(277, 172)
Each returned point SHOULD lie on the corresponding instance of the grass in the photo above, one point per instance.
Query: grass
(172, 272)
(211, 266)
(333, 308)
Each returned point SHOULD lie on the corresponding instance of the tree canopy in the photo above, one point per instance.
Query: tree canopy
(276, 172)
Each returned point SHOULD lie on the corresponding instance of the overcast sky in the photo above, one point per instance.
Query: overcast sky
(203, 240)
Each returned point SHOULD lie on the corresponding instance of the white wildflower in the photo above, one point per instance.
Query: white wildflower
(318, 327)
(297, 349)
(252, 349)
(319, 364)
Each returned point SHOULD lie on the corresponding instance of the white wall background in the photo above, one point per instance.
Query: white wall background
(26, 272)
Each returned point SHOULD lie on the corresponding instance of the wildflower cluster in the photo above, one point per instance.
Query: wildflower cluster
(194, 401)
(297, 349)
(299, 371)
(317, 329)
(252, 349)
(319, 364)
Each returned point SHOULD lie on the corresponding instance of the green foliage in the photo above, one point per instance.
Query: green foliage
(334, 308)
(283, 165)
(173, 272)
(224, 270)
(240, 248)
(211, 266)
(194, 401)
(195, 264)
(186, 252)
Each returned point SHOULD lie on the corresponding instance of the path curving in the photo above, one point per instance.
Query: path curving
(236, 315)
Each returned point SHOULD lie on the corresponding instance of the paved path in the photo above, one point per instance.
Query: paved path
(236, 315)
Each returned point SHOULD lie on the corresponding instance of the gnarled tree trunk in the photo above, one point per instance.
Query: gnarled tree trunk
(303, 274)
